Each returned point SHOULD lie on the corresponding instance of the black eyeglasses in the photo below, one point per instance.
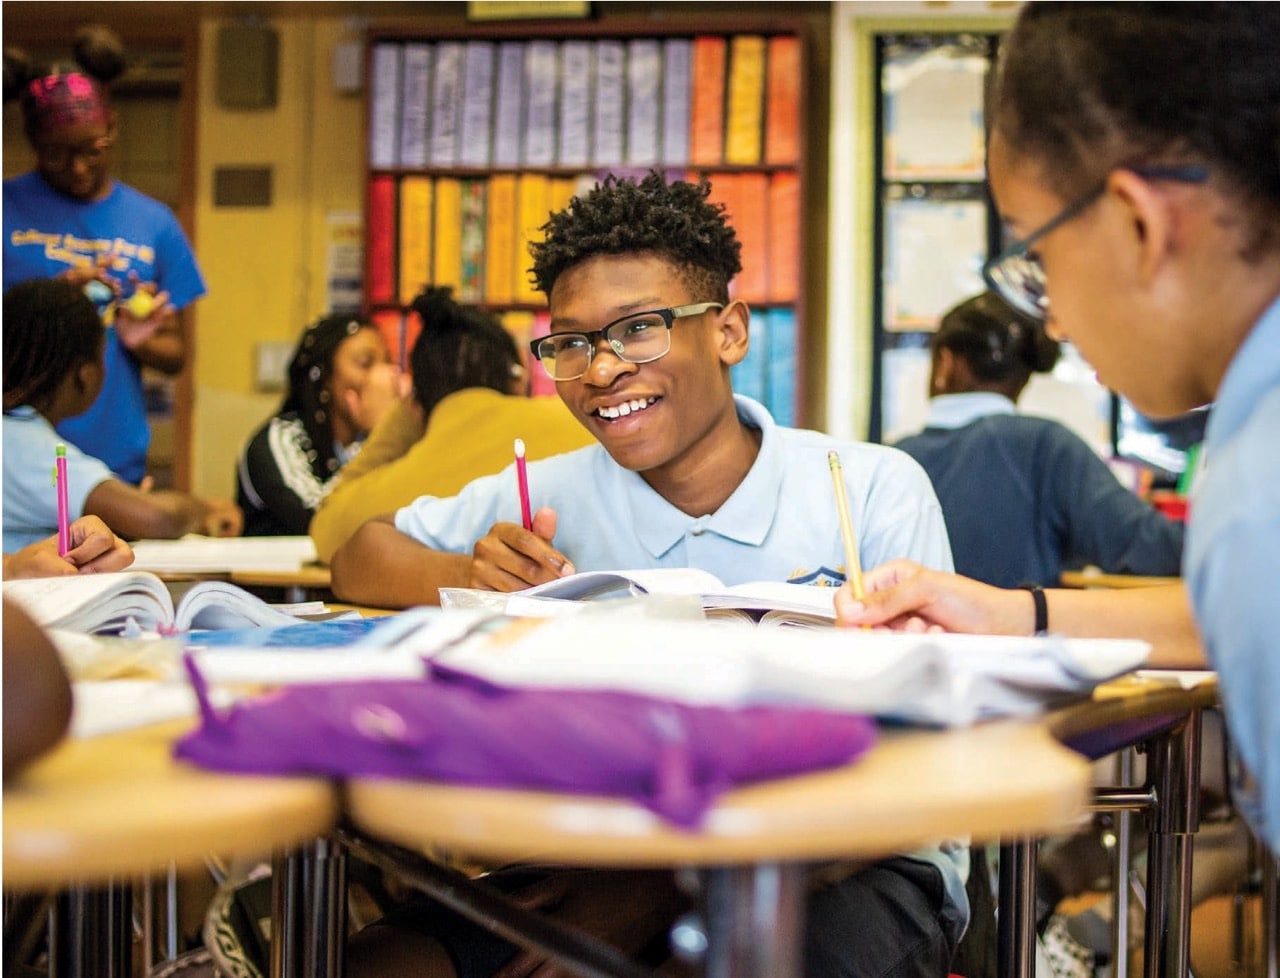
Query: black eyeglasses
(641, 337)
(1016, 273)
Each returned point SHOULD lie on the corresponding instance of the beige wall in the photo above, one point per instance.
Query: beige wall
(266, 265)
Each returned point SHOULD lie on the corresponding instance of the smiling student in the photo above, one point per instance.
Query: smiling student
(1135, 152)
(685, 474)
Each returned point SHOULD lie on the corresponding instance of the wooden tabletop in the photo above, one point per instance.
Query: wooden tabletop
(1092, 577)
(120, 805)
(315, 576)
(913, 786)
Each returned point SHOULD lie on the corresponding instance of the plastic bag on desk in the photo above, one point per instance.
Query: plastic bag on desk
(673, 758)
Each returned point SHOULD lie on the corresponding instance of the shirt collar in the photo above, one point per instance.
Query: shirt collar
(743, 518)
(958, 410)
(1253, 370)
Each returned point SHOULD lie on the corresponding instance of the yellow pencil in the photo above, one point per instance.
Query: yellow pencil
(852, 566)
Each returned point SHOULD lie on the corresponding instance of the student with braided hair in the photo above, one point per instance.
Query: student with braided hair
(341, 382)
(69, 218)
(53, 369)
(1023, 497)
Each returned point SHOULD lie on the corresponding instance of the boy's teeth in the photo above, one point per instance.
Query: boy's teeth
(625, 408)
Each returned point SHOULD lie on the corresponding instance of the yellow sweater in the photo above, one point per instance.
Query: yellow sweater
(470, 433)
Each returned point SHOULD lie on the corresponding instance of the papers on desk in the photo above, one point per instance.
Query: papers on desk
(935, 680)
(222, 555)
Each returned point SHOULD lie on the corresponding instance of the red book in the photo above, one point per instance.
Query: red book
(751, 221)
(380, 233)
(782, 102)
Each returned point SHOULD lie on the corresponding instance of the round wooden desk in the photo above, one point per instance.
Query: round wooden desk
(119, 805)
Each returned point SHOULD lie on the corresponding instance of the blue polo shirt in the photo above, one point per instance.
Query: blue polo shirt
(780, 524)
(1232, 564)
(30, 501)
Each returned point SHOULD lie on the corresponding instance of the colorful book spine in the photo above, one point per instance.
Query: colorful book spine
(475, 197)
(532, 195)
(677, 98)
(415, 105)
(500, 239)
(610, 103)
(644, 101)
(509, 110)
(782, 102)
(415, 237)
(750, 219)
(447, 244)
(706, 126)
(577, 62)
(476, 131)
(385, 65)
(380, 225)
(519, 323)
(542, 79)
(784, 237)
(446, 102)
(744, 117)
(783, 365)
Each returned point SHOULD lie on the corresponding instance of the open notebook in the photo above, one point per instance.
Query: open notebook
(107, 603)
(768, 602)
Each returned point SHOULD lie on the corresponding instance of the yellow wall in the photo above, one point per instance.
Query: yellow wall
(266, 266)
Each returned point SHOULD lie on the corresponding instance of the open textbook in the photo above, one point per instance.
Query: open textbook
(107, 604)
(768, 602)
(931, 679)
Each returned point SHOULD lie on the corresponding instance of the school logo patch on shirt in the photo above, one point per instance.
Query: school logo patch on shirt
(822, 577)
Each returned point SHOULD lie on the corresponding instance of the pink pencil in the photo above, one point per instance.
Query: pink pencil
(522, 476)
(60, 485)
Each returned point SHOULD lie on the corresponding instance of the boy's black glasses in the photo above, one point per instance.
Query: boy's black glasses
(641, 337)
(1016, 273)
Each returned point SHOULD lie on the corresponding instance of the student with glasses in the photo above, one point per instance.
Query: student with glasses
(69, 218)
(644, 332)
(1136, 150)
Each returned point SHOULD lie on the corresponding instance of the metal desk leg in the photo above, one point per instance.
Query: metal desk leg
(1270, 914)
(1122, 859)
(1016, 913)
(1173, 770)
(91, 933)
(309, 912)
(755, 921)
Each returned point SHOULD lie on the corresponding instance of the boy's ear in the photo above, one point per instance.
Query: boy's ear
(734, 332)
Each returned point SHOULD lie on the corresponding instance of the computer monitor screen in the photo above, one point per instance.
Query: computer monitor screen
(1163, 445)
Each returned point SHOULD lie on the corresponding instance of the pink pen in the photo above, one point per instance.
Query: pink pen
(64, 516)
(522, 477)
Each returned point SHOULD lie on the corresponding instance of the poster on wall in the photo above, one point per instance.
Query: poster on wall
(344, 262)
(934, 250)
(933, 112)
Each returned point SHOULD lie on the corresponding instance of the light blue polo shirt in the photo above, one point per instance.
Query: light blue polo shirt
(780, 524)
(30, 500)
(1232, 564)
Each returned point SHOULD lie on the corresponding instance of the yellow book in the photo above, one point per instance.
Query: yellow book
(415, 236)
(561, 191)
(448, 236)
(744, 120)
(500, 239)
(519, 323)
(533, 207)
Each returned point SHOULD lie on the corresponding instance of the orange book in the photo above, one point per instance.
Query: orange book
(500, 239)
(380, 232)
(744, 117)
(745, 199)
(782, 102)
(447, 242)
(415, 237)
(706, 115)
(400, 330)
(533, 191)
(784, 237)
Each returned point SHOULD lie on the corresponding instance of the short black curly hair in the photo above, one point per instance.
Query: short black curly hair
(620, 216)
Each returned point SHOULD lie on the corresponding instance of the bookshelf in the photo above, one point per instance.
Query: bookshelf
(475, 135)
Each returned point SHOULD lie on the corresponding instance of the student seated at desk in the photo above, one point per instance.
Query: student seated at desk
(1151, 240)
(685, 474)
(1023, 497)
(466, 408)
(341, 383)
(53, 369)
